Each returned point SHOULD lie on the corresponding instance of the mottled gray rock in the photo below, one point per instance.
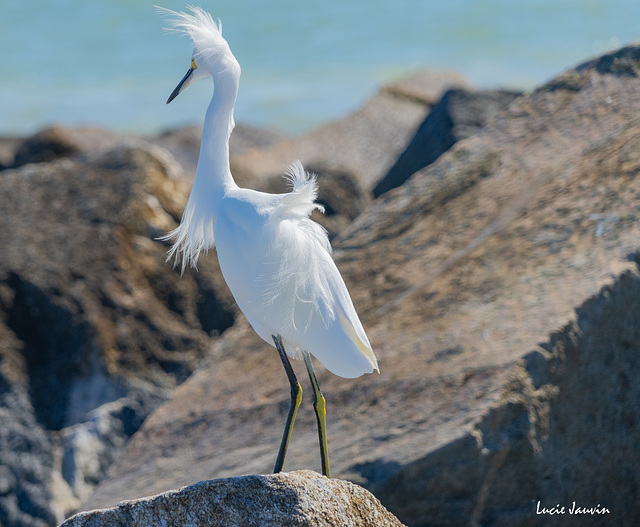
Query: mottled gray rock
(90, 446)
(26, 450)
(184, 143)
(91, 317)
(564, 431)
(8, 147)
(286, 499)
(365, 143)
(59, 141)
(458, 115)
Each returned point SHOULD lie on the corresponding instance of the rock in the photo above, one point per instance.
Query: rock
(298, 498)
(245, 136)
(564, 431)
(58, 141)
(458, 275)
(26, 450)
(96, 328)
(426, 85)
(184, 143)
(90, 447)
(8, 147)
(365, 143)
(458, 115)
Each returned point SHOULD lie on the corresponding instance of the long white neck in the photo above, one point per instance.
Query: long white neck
(213, 163)
(213, 175)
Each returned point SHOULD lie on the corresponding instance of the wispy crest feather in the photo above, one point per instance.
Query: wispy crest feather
(200, 27)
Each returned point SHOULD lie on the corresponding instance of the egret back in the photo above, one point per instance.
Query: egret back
(277, 263)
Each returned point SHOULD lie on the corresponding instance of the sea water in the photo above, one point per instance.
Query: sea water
(109, 62)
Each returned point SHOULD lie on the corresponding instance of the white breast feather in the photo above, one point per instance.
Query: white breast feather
(195, 232)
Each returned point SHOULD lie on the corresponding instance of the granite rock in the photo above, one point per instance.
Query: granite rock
(365, 143)
(285, 499)
(457, 115)
(55, 142)
(97, 328)
(184, 143)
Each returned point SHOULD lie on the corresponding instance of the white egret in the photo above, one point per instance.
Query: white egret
(275, 259)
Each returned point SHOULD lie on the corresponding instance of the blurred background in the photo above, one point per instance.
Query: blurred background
(110, 63)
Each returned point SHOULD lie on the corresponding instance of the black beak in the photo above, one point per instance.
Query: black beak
(181, 85)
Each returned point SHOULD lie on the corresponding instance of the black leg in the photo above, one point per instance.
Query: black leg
(319, 405)
(296, 399)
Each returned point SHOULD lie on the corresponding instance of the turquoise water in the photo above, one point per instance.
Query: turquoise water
(110, 63)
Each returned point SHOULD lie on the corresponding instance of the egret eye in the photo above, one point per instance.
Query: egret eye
(193, 64)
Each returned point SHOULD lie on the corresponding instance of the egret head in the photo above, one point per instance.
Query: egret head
(211, 54)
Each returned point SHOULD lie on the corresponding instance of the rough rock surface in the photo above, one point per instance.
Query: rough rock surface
(96, 328)
(58, 141)
(458, 115)
(564, 431)
(184, 143)
(285, 499)
(459, 275)
(365, 143)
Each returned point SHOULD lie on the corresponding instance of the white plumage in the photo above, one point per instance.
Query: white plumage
(275, 259)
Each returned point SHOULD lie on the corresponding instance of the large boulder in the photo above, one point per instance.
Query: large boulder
(282, 500)
(563, 435)
(459, 275)
(349, 156)
(55, 142)
(184, 143)
(365, 143)
(458, 115)
(96, 328)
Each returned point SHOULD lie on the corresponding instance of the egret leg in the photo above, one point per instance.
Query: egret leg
(296, 399)
(319, 405)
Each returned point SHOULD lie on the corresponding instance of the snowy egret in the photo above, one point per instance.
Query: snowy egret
(275, 259)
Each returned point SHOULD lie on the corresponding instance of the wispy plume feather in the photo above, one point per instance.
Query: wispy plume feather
(304, 191)
(199, 26)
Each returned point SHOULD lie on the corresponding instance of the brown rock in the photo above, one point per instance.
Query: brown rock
(184, 143)
(91, 317)
(59, 141)
(8, 147)
(365, 143)
(294, 499)
(564, 431)
(457, 115)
